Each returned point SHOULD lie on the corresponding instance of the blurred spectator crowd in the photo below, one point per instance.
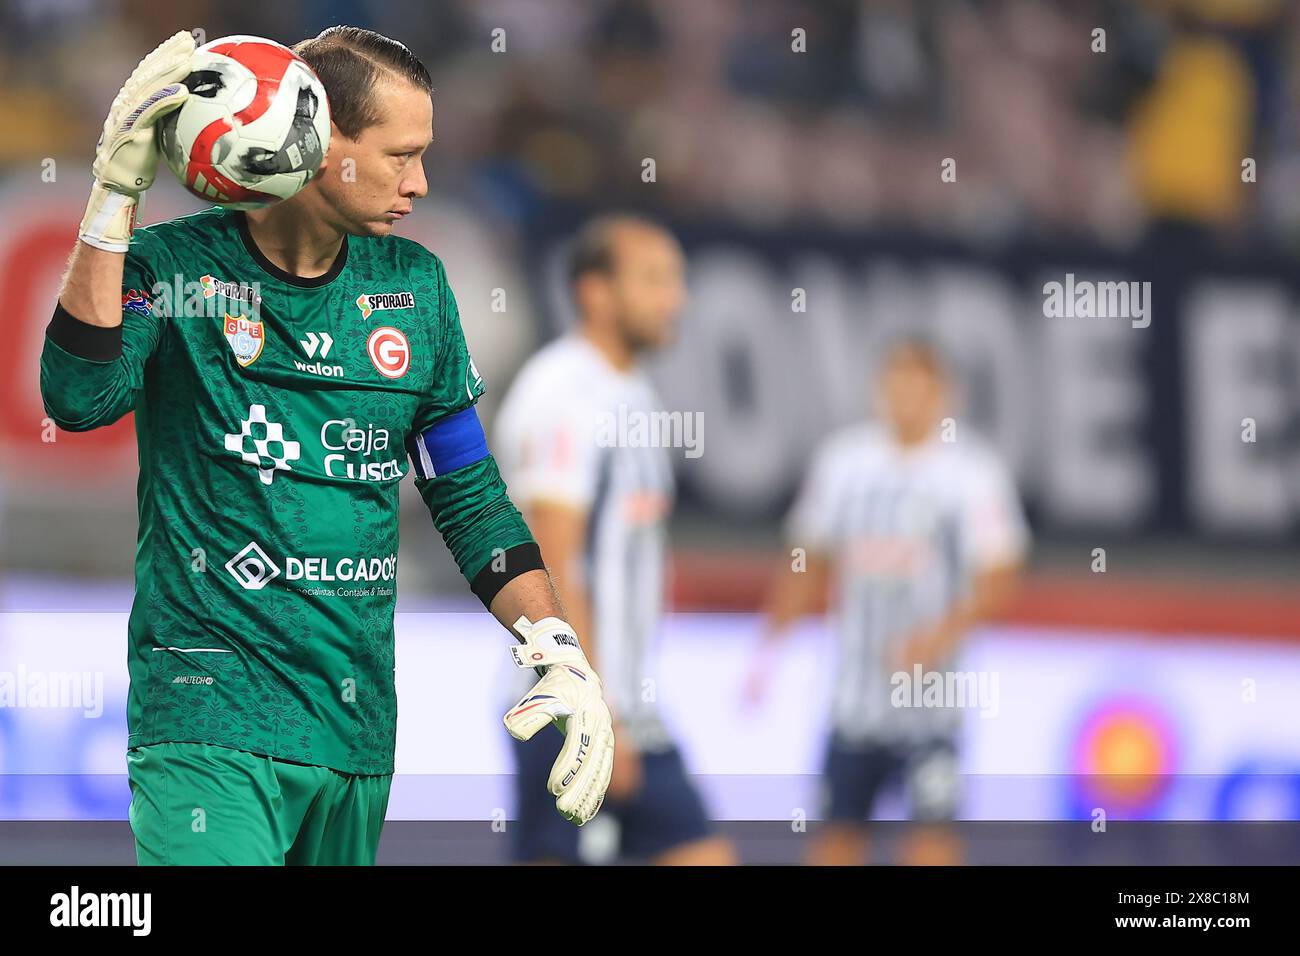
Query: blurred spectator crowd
(1054, 128)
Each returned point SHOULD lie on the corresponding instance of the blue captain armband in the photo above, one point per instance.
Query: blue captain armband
(448, 445)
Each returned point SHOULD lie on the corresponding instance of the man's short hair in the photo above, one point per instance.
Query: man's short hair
(350, 61)
(920, 347)
(593, 247)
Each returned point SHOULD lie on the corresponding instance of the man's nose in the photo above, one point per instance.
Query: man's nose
(416, 184)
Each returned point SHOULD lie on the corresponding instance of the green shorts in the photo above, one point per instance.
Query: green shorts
(201, 805)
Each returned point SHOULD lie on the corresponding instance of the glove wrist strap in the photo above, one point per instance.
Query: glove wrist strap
(548, 641)
(110, 219)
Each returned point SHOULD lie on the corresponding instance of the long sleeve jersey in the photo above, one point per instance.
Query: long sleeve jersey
(275, 418)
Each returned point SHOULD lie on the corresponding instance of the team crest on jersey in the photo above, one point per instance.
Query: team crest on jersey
(369, 302)
(246, 339)
(137, 301)
(390, 351)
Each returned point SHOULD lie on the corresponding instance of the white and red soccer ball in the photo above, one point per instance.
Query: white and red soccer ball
(253, 130)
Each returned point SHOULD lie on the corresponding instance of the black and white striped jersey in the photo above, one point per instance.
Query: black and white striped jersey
(905, 529)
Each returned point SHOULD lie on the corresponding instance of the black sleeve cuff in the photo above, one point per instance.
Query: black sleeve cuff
(91, 342)
(518, 560)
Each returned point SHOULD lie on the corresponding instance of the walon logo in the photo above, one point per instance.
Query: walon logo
(317, 346)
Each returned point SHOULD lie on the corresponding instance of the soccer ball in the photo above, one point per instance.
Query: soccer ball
(253, 130)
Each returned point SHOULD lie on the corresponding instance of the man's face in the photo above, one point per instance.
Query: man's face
(371, 182)
(647, 287)
(914, 392)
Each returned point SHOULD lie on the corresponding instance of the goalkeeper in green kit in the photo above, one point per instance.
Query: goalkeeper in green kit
(276, 414)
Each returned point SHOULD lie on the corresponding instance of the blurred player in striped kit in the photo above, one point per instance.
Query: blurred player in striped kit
(918, 526)
(598, 508)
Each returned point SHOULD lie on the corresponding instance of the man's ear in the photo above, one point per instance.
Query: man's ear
(594, 294)
(338, 147)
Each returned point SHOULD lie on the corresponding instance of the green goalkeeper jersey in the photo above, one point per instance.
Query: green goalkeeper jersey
(275, 418)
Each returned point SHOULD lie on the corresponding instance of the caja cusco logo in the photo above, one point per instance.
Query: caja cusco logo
(389, 351)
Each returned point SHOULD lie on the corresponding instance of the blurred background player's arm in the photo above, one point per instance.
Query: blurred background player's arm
(561, 531)
(991, 591)
(801, 587)
(995, 540)
(801, 582)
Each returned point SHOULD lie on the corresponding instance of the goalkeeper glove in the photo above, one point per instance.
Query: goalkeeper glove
(126, 158)
(569, 694)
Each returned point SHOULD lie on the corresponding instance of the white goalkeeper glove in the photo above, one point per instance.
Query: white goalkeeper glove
(126, 158)
(569, 694)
